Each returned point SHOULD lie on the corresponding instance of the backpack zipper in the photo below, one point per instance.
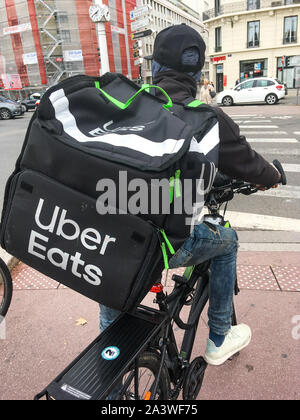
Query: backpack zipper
(175, 186)
(165, 244)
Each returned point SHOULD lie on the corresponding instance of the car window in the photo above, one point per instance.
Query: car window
(246, 85)
(9, 101)
(263, 83)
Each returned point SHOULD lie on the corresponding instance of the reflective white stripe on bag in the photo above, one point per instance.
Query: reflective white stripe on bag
(208, 143)
(131, 141)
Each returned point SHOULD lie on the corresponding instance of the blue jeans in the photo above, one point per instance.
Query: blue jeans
(207, 242)
(107, 316)
(218, 244)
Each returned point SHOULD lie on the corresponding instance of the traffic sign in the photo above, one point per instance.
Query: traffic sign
(138, 62)
(139, 12)
(137, 53)
(142, 34)
(137, 44)
(141, 23)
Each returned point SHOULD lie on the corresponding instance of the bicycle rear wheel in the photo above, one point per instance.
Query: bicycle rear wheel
(136, 385)
(6, 288)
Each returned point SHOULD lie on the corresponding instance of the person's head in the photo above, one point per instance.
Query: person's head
(179, 48)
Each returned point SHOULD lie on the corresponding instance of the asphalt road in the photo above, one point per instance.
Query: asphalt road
(271, 218)
(12, 134)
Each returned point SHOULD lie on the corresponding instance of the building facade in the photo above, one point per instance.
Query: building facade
(253, 38)
(164, 13)
(44, 41)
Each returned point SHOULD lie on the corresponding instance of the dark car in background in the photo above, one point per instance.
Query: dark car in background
(29, 103)
(9, 108)
(32, 101)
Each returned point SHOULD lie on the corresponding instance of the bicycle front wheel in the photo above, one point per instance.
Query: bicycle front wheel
(6, 288)
(138, 381)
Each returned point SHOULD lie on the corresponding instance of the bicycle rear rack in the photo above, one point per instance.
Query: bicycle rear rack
(97, 370)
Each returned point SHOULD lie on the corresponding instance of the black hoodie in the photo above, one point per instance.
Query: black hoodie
(236, 157)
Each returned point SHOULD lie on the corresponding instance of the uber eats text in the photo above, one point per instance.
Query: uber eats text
(60, 225)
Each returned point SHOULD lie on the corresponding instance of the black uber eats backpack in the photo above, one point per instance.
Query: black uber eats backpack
(90, 136)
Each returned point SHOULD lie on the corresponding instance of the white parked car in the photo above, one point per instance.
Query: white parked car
(260, 89)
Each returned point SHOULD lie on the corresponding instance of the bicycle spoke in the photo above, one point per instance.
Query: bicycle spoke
(136, 379)
(136, 384)
(1, 291)
(6, 288)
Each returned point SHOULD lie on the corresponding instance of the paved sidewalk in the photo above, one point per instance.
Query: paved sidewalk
(48, 325)
(291, 98)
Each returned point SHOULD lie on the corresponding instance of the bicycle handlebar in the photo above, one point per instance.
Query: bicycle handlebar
(279, 168)
(225, 187)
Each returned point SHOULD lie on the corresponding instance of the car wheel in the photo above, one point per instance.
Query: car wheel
(271, 99)
(227, 101)
(5, 114)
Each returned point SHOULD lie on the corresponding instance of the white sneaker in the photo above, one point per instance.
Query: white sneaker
(236, 339)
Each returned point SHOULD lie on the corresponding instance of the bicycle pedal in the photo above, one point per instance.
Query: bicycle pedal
(179, 279)
(97, 370)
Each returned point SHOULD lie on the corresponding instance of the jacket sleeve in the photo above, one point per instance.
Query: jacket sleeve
(236, 157)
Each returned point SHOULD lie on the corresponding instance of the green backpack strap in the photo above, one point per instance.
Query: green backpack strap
(123, 106)
(195, 103)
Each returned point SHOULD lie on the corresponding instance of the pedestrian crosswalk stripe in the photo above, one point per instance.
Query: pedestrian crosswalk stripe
(291, 167)
(272, 140)
(265, 132)
(297, 133)
(277, 151)
(287, 191)
(282, 117)
(262, 222)
(259, 126)
(243, 115)
(251, 121)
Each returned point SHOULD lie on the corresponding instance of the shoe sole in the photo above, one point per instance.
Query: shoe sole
(217, 362)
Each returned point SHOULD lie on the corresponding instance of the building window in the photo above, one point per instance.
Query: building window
(253, 34)
(217, 7)
(290, 29)
(253, 4)
(62, 17)
(65, 36)
(218, 39)
(253, 68)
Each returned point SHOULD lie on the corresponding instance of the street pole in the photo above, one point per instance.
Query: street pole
(101, 17)
(100, 26)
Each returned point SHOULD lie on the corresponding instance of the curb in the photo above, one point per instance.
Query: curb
(9, 260)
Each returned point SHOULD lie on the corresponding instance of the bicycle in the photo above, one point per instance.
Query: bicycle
(147, 364)
(6, 288)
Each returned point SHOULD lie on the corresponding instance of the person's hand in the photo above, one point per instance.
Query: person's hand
(262, 188)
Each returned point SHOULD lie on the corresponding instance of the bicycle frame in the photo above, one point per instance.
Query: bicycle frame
(178, 360)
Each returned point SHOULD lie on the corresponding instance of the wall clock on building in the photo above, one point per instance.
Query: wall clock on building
(99, 13)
